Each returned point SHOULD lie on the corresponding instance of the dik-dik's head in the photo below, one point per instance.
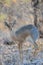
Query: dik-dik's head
(10, 25)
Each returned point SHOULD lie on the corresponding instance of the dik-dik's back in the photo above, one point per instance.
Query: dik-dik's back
(27, 30)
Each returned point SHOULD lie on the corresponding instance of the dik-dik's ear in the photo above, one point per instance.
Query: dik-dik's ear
(7, 24)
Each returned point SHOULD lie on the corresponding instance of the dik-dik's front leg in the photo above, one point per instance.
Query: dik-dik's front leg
(20, 52)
